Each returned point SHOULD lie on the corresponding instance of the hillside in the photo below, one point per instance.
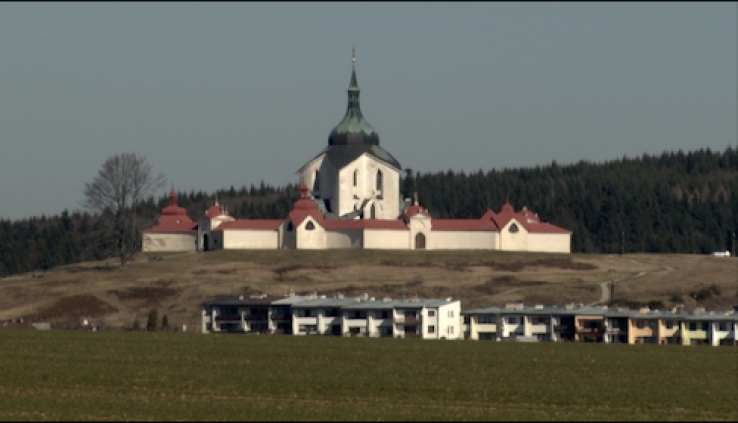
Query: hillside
(673, 203)
(176, 284)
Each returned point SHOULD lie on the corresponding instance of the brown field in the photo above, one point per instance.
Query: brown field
(177, 284)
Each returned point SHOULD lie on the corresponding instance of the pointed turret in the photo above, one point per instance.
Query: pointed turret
(353, 129)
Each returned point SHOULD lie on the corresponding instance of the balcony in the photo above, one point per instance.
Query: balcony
(281, 317)
(256, 318)
(563, 328)
(228, 318)
(593, 330)
(409, 320)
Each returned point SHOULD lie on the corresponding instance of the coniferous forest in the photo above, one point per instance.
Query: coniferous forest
(676, 202)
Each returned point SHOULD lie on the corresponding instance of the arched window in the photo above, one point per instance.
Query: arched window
(379, 180)
(356, 177)
(316, 184)
(310, 226)
(290, 227)
(373, 212)
(513, 228)
(419, 241)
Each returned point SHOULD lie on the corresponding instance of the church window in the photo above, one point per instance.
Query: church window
(356, 177)
(373, 212)
(379, 180)
(310, 226)
(290, 227)
(513, 228)
(316, 184)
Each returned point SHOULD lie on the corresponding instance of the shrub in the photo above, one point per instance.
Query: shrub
(165, 322)
(153, 320)
(676, 299)
(655, 305)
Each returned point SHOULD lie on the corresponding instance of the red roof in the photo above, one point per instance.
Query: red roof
(394, 224)
(530, 221)
(416, 209)
(305, 207)
(258, 224)
(173, 218)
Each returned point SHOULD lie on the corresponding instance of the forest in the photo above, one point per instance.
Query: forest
(676, 202)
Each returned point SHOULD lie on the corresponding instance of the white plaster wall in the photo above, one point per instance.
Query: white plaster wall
(386, 239)
(514, 241)
(307, 174)
(551, 243)
(310, 240)
(420, 223)
(464, 240)
(345, 238)
(447, 321)
(388, 207)
(169, 242)
(250, 239)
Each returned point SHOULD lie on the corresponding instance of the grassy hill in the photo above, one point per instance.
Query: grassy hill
(176, 284)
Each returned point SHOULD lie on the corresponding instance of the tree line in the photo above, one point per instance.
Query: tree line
(675, 202)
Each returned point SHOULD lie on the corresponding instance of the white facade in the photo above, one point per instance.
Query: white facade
(162, 241)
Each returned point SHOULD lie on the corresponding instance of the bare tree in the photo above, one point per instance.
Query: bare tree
(117, 193)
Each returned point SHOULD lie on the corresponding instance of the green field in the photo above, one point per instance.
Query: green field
(65, 375)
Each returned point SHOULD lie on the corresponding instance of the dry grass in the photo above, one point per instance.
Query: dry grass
(178, 283)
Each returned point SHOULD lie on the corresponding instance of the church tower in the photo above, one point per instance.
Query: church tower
(353, 176)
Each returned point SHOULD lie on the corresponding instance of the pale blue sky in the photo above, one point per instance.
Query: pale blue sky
(226, 94)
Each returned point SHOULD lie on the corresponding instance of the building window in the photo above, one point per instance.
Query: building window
(373, 212)
(512, 320)
(486, 319)
(431, 329)
(356, 177)
(652, 324)
(669, 324)
(723, 327)
(513, 228)
(379, 180)
(307, 313)
(705, 326)
(384, 315)
(467, 320)
(640, 324)
(310, 226)
(420, 241)
(450, 330)
(450, 313)
(431, 313)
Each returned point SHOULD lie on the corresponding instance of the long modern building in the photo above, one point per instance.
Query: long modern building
(350, 198)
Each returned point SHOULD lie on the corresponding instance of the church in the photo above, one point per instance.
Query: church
(350, 198)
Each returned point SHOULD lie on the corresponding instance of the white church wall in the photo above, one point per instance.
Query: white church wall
(155, 242)
(464, 240)
(550, 243)
(344, 238)
(310, 239)
(514, 241)
(386, 239)
(367, 166)
(250, 239)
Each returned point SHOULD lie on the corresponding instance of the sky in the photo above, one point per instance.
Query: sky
(216, 95)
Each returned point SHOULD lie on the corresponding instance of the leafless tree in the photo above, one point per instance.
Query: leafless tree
(121, 186)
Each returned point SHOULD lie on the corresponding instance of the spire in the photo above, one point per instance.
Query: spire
(172, 197)
(353, 128)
